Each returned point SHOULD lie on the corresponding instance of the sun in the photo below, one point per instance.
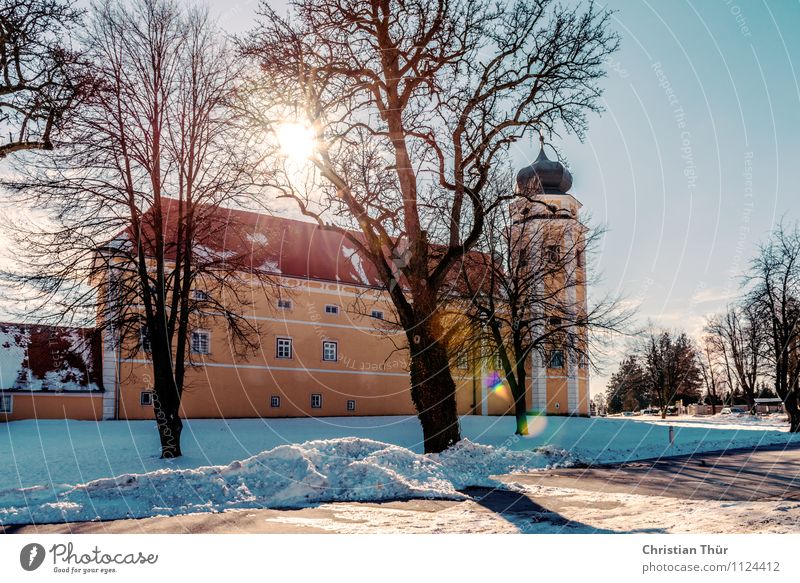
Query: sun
(296, 141)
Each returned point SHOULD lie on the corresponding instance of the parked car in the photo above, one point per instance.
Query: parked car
(672, 411)
(651, 411)
(732, 410)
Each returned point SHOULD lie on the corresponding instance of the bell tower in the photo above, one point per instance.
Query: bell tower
(546, 217)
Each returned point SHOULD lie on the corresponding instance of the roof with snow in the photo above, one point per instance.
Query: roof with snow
(253, 241)
(49, 358)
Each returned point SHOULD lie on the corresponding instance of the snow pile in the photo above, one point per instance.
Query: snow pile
(471, 464)
(288, 476)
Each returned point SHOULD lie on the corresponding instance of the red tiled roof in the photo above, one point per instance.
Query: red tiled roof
(274, 244)
(249, 240)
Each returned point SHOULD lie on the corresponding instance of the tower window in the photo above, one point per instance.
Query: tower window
(461, 360)
(316, 401)
(283, 348)
(331, 309)
(201, 342)
(146, 398)
(556, 359)
(351, 404)
(199, 295)
(377, 314)
(284, 304)
(275, 401)
(553, 253)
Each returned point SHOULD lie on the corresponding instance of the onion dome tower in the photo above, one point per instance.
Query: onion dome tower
(547, 225)
(544, 176)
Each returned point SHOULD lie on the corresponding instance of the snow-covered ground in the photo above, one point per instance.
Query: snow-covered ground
(579, 512)
(71, 470)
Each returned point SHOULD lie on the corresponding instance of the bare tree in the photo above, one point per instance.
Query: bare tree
(738, 339)
(39, 79)
(413, 106)
(527, 291)
(135, 192)
(712, 370)
(774, 293)
(671, 368)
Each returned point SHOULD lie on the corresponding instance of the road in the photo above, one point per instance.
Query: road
(734, 491)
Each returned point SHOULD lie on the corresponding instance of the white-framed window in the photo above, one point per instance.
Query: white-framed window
(144, 339)
(316, 401)
(461, 360)
(330, 350)
(498, 362)
(377, 314)
(583, 361)
(201, 342)
(351, 404)
(283, 348)
(556, 359)
(199, 294)
(332, 309)
(284, 304)
(146, 398)
(275, 401)
(6, 404)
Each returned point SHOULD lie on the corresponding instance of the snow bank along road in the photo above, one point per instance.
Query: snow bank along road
(79, 471)
(742, 491)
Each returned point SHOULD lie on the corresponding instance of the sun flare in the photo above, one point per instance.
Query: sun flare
(296, 141)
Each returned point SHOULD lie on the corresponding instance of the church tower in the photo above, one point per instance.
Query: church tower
(546, 218)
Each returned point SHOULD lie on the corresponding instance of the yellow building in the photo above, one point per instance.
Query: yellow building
(327, 344)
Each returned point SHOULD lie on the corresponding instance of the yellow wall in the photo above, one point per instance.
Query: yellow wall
(370, 369)
(42, 405)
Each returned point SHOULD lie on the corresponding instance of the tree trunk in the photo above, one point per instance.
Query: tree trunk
(169, 432)
(517, 381)
(521, 414)
(751, 402)
(794, 413)
(433, 393)
(166, 403)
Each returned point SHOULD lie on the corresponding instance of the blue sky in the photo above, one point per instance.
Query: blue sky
(697, 155)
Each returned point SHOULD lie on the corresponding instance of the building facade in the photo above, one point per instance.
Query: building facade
(327, 344)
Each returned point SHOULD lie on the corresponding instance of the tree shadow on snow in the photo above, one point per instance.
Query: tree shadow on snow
(530, 517)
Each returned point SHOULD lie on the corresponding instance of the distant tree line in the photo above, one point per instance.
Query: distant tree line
(750, 351)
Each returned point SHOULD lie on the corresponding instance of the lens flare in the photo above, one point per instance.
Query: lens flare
(536, 425)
